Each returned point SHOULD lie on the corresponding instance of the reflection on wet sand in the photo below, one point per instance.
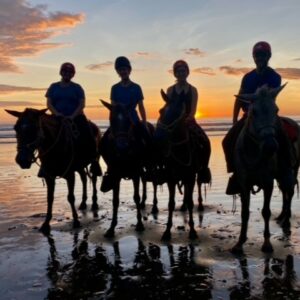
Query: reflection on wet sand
(147, 276)
(158, 272)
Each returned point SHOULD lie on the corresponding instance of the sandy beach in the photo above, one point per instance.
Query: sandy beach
(82, 264)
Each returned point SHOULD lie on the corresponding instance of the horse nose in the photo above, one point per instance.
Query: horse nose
(270, 146)
(122, 144)
(23, 161)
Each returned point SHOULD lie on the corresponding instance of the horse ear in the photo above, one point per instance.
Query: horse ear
(247, 98)
(106, 104)
(164, 96)
(42, 111)
(275, 91)
(14, 113)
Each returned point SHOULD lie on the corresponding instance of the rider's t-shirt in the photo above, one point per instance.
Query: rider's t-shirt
(253, 80)
(129, 96)
(65, 99)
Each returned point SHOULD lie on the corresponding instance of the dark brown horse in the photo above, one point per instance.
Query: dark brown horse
(60, 154)
(182, 156)
(124, 153)
(261, 156)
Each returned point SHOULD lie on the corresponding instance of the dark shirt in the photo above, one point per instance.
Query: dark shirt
(129, 96)
(65, 99)
(184, 97)
(253, 80)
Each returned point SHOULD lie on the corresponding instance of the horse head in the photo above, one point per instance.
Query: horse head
(27, 130)
(121, 125)
(171, 116)
(262, 121)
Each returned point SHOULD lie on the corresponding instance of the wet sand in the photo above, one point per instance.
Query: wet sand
(82, 264)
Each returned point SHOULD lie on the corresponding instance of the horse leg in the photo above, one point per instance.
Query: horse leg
(45, 228)
(136, 185)
(266, 213)
(116, 190)
(144, 195)
(167, 234)
(282, 214)
(154, 210)
(200, 198)
(83, 178)
(71, 198)
(245, 199)
(95, 205)
(188, 190)
(285, 222)
(183, 207)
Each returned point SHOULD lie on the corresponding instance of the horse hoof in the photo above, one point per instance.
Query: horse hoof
(200, 207)
(45, 229)
(95, 206)
(139, 227)
(154, 210)
(82, 206)
(166, 236)
(110, 233)
(279, 218)
(183, 208)
(237, 249)
(76, 224)
(193, 234)
(267, 248)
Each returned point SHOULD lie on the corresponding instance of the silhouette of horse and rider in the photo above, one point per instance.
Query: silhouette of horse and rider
(259, 148)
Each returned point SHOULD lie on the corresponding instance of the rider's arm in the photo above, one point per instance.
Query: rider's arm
(52, 108)
(142, 111)
(81, 96)
(236, 109)
(194, 103)
(79, 109)
(50, 105)
(141, 107)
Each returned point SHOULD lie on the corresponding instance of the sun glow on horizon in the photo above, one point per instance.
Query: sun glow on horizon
(199, 114)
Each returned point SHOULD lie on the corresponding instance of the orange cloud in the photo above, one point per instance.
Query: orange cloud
(101, 66)
(9, 89)
(24, 29)
(234, 71)
(205, 71)
(143, 53)
(289, 73)
(19, 103)
(194, 51)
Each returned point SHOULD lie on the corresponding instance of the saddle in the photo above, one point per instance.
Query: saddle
(290, 129)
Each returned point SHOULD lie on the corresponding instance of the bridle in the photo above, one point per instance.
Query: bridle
(169, 128)
(37, 155)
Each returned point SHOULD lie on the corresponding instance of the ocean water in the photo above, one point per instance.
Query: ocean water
(211, 126)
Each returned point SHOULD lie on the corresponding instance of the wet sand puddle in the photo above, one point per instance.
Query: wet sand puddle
(82, 264)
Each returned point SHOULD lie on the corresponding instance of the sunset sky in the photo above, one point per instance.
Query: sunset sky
(214, 36)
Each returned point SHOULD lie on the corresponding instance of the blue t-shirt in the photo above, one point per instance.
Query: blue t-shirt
(65, 99)
(253, 80)
(129, 95)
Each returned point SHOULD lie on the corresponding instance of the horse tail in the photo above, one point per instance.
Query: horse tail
(179, 186)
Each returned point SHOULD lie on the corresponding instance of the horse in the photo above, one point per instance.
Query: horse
(260, 157)
(124, 154)
(182, 156)
(58, 153)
